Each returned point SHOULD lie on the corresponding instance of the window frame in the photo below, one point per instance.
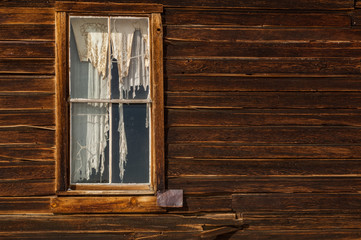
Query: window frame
(63, 11)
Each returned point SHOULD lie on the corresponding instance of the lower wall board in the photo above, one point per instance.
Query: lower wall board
(114, 223)
(23, 135)
(206, 185)
(338, 202)
(264, 167)
(321, 66)
(32, 152)
(28, 118)
(27, 188)
(263, 117)
(267, 221)
(24, 205)
(296, 235)
(263, 100)
(265, 135)
(39, 101)
(237, 151)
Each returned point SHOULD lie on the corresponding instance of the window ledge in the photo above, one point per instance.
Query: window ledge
(134, 204)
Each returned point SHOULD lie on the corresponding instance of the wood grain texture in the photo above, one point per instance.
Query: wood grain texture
(28, 170)
(248, 4)
(27, 188)
(27, 152)
(300, 221)
(26, 83)
(27, 66)
(38, 101)
(213, 185)
(62, 112)
(262, 117)
(233, 83)
(258, 4)
(108, 7)
(27, 118)
(26, 3)
(262, 49)
(27, 32)
(157, 125)
(114, 223)
(24, 205)
(295, 202)
(265, 135)
(227, 151)
(33, 15)
(214, 203)
(194, 33)
(264, 100)
(218, 17)
(26, 49)
(319, 66)
(352, 234)
(104, 204)
(24, 135)
(263, 167)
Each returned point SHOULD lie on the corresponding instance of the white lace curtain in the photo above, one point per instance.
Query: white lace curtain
(128, 41)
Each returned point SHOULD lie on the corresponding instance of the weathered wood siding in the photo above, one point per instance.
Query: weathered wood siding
(262, 112)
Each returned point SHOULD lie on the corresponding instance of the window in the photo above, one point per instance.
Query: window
(109, 99)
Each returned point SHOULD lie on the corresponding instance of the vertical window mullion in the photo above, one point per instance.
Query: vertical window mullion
(110, 106)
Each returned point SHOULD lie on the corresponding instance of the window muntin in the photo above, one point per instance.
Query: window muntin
(109, 100)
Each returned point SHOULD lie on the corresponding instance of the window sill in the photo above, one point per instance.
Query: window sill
(107, 204)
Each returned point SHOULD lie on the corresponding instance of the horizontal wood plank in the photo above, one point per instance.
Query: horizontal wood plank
(26, 170)
(269, 117)
(215, 203)
(264, 100)
(26, 49)
(109, 7)
(24, 205)
(28, 152)
(114, 223)
(300, 221)
(27, 118)
(266, 135)
(228, 151)
(26, 3)
(26, 83)
(30, 15)
(258, 19)
(259, 4)
(295, 202)
(351, 234)
(27, 188)
(263, 167)
(27, 66)
(27, 32)
(262, 49)
(23, 135)
(27, 101)
(247, 4)
(261, 83)
(322, 66)
(104, 204)
(212, 185)
(193, 33)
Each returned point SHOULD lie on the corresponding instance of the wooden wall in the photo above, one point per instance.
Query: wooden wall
(263, 117)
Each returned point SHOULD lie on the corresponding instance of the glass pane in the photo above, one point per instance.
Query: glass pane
(136, 168)
(130, 53)
(89, 143)
(89, 44)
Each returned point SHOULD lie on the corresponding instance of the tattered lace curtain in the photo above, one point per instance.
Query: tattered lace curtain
(129, 48)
